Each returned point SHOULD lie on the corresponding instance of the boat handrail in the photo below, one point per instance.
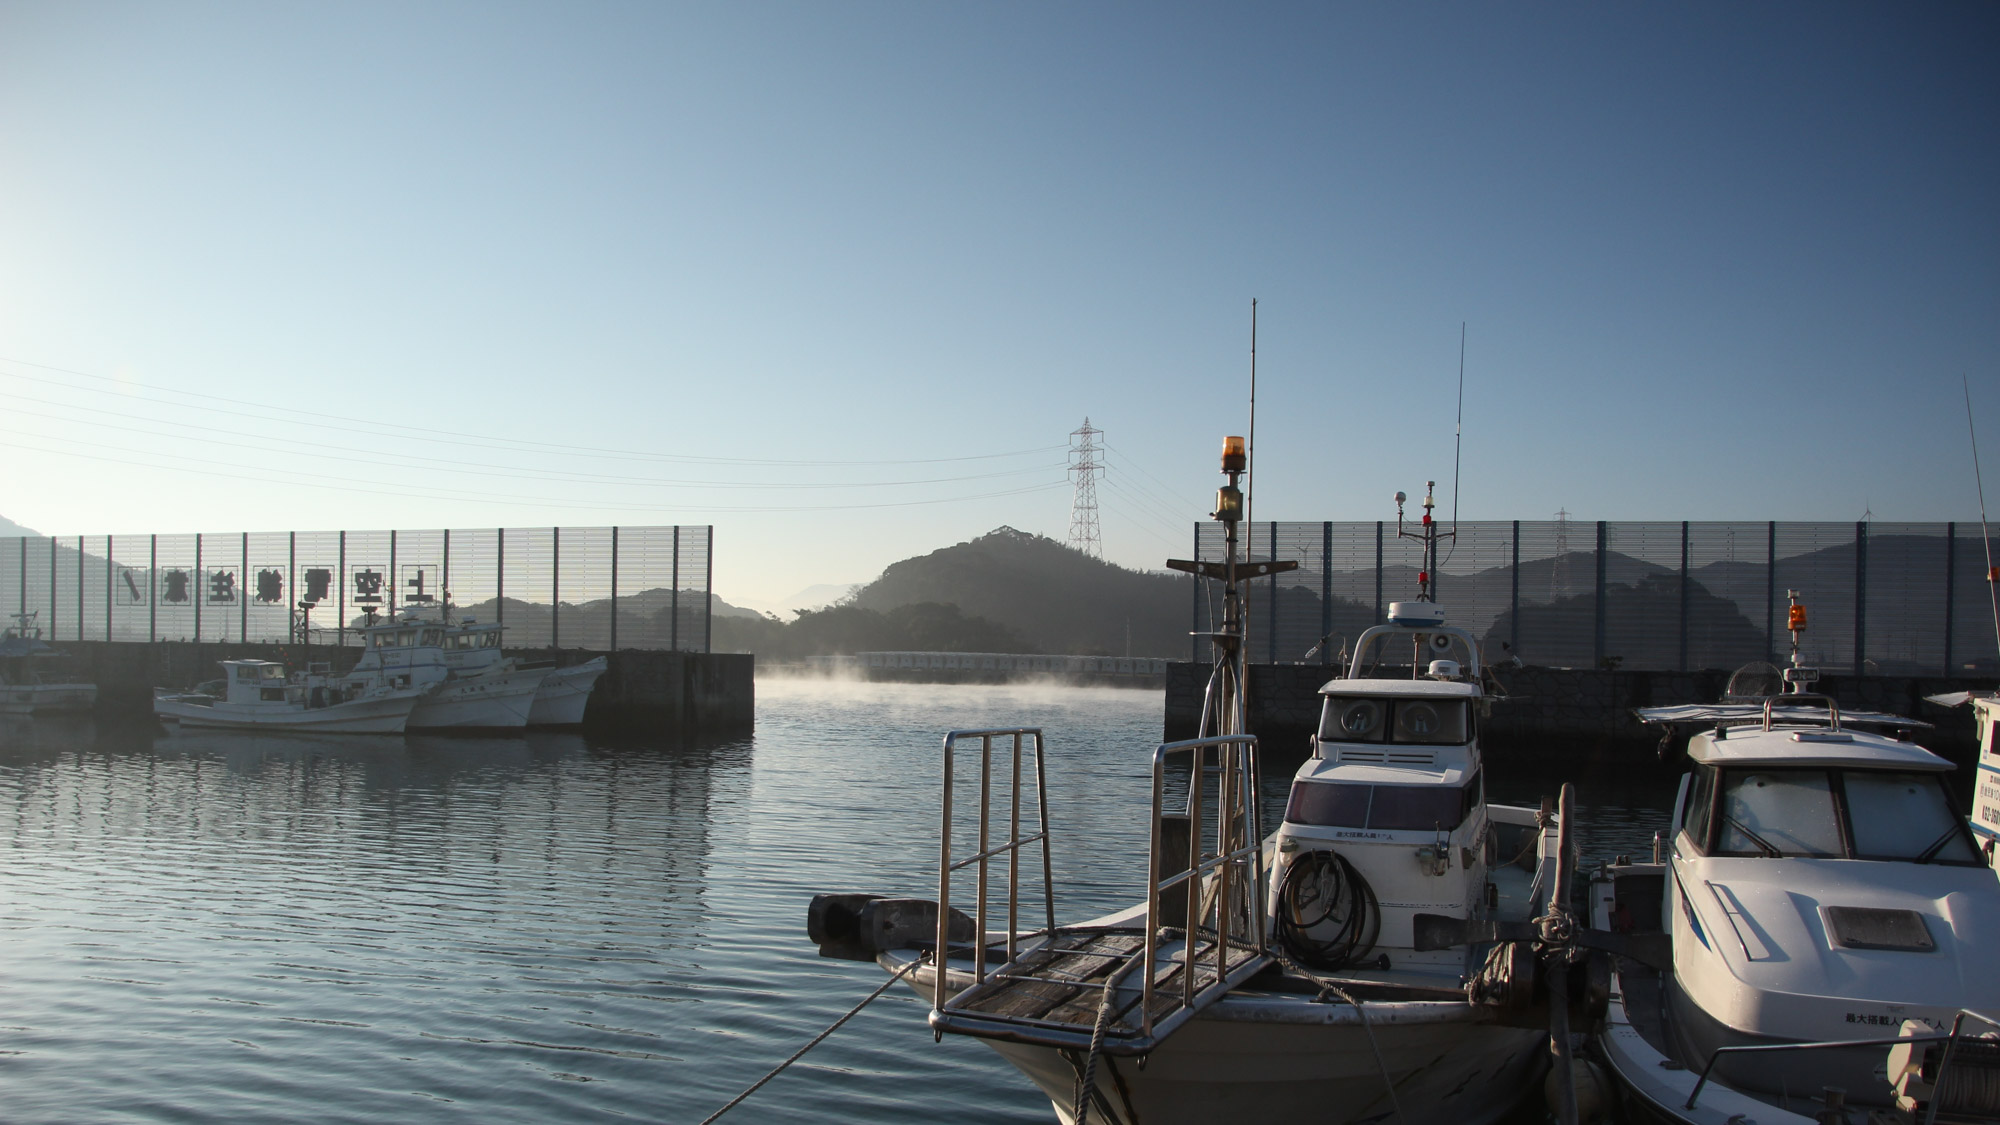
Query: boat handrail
(1019, 738)
(1771, 707)
(1239, 835)
(1949, 1039)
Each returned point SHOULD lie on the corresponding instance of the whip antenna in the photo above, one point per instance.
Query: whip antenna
(1250, 496)
(1458, 439)
(1985, 536)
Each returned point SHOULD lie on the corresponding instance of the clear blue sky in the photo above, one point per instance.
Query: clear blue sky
(840, 278)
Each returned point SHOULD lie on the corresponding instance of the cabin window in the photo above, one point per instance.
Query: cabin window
(433, 637)
(1366, 719)
(489, 640)
(1904, 816)
(1701, 796)
(1778, 812)
(1872, 814)
(246, 675)
(1385, 808)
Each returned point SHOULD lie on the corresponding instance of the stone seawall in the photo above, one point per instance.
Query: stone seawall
(643, 691)
(1567, 713)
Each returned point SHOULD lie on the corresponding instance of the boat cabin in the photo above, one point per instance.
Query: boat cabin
(254, 681)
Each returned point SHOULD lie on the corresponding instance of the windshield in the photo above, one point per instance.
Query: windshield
(1388, 808)
(1351, 718)
(1837, 814)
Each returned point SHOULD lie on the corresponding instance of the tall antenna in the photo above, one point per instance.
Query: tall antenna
(1559, 574)
(1250, 471)
(1992, 572)
(1084, 466)
(1458, 439)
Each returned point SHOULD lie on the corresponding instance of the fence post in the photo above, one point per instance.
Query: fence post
(110, 579)
(340, 604)
(1194, 604)
(614, 587)
(499, 576)
(21, 604)
(674, 598)
(1602, 540)
(444, 579)
(1325, 591)
(1950, 588)
(1684, 595)
(1378, 574)
(243, 594)
(81, 629)
(200, 586)
(555, 587)
(152, 585)
(55, 603)
(395, 576)
(1514, 599)
(1771, 593)
(292, 635)
(708, 591)
(1860, 594)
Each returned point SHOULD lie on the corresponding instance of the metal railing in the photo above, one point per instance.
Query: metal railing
(1237, 865)
(1950, 1040)
(1020, 741)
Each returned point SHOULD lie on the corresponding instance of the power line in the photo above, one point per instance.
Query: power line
(376, 427)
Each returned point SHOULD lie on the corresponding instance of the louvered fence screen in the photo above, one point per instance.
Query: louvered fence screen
(590, 587)
(1881, 598)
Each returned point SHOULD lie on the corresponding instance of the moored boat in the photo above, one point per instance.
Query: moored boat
(474, 685)
(1307, 975)
(1832, 925)
(261, 695)
(565, 692)
(31, 679)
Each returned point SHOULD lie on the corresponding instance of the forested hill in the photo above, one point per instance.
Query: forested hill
(1059, 599)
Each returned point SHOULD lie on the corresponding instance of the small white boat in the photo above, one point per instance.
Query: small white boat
(259, 695)
(31, 682)
(1985, 819)
(475, 686)
(1833, 929)
(1303, 976)
(565, 692)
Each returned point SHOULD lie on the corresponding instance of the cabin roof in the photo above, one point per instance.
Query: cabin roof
(1447, 689)
(1451, 772)
(1811, 746)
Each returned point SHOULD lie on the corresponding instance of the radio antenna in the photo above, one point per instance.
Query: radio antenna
(1250, 495)
(1992, 574)
(1458, 439)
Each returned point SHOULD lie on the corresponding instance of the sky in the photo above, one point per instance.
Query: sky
(841, 279)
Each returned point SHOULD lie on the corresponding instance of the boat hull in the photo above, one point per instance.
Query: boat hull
(564, 694)
(1268, 1057)
(495, 701)
(46, 699)
(383, 714)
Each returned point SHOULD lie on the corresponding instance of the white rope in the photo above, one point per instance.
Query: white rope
(1367, 1028)
(816, 1040)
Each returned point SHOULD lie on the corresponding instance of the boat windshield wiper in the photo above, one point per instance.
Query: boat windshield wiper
(1937, 845)
(1762, 845)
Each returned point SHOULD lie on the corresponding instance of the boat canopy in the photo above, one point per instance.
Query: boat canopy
(1816, 746)
(1736, 713)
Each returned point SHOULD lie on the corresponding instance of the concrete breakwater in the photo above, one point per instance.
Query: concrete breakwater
(643, 691)
(1566, 714)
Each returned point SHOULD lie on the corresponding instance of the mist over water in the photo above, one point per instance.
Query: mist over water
(531, 929)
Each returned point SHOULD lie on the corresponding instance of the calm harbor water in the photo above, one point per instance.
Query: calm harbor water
(532, 929)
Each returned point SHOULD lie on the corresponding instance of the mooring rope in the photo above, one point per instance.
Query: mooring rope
(1368, 1029)
(816, 1040)
(1086, 1085)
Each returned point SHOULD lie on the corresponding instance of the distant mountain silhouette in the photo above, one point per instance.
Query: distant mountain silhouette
(9, 529)
(1058, 599)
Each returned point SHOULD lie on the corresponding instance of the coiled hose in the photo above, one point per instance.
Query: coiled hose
(1324, 892)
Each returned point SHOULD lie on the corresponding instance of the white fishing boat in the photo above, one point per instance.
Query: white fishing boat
(565, 692)
(31, 678)
(1301, 976)
(474, 684)
(261, 695)
(1832, 924)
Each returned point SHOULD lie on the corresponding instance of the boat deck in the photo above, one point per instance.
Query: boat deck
(1052, 994)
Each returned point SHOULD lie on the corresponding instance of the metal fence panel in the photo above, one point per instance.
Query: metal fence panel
(1882, 598)
(589, 587)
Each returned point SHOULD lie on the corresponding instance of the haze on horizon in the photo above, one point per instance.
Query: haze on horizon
(841, 279)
